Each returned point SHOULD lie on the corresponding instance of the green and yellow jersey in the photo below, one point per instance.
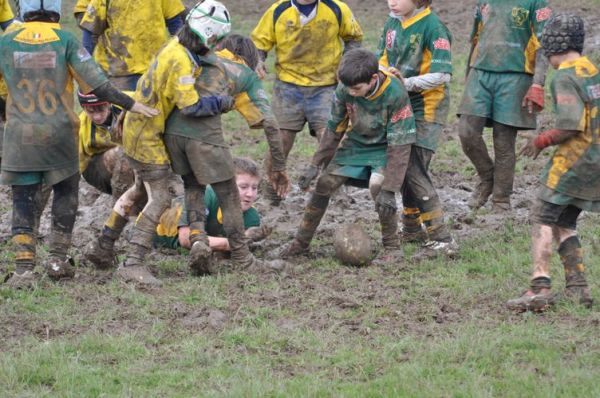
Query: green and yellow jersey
(6, 13)
(372, 123)
(506, 34)
(175, 217)
(307, 54)
(168, 84)
(417, 46)
(223, 74)
(130, 32)
(39, 63)
(574, 170)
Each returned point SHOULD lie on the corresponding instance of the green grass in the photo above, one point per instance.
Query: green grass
(437, 329)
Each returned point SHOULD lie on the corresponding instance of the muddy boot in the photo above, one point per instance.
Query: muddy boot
(23, 277)
(537, 299)
(59, 265)
(392, 250)
(294, 248)
(571, 256)
(133, 268)
(101, 252)
(500, 205)
(440, 241)
(482, 192)
(200, 259)
(137, 274)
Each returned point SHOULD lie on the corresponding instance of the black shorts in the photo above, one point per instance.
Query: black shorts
(97, 175)
(562, 216)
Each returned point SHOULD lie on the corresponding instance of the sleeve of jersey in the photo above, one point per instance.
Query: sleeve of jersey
(181, 83)
(172, 8)
(401, 128)
(541, 14)
(94, 18)
(85, 70)
(253, 104)
(338, 119)
(6, 13)
(350, 30)
(569, 106)
(381, 49)
(263, 34)
(440, 45)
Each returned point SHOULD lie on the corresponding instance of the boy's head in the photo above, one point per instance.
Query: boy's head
(247, 178)
(97, 110)
(205, 24)
(358, 71)
(405, 7)
(562, 35)
(243, 47)
(39, 10)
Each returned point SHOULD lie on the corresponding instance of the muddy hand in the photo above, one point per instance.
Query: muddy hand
(261, 70)
(258, 233)
(280, 182)
(395, 72)
(529, 149)
(144, 110)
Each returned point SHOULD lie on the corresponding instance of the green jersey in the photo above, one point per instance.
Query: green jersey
(574, 169)
(39, 62)
(506, 34)
(417, 46)
(223, 75)
(372, 123)
(176, 217)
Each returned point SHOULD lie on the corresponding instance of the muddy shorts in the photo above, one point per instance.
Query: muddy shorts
(97, 175)
(209, 163)
(562, 216)
(48, 177)
(295, 105)
(498, 97)
(150, 172)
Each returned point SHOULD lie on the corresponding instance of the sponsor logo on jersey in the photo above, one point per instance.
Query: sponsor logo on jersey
(520, 16)
(543, 14)
(402, 114)
(594, 91)
(442, 44)
(390, 38)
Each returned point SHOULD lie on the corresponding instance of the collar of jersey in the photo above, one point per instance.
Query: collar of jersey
(386, 82)
(226, 54)
(38, 33)
(583, 60)
(415, 18)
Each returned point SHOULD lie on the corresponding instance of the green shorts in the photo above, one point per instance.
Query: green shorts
(48, 177)
(498, 97)
(428, 134)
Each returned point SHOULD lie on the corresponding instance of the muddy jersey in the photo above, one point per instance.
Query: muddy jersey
(6, 13)
(372, 123)
(168, 84)
(506, 34)
(308, 50)
(93, 139)
(416, 46)
(80, 6)
(223, 74)
(39, 62)
(130, 32)
(574, 169)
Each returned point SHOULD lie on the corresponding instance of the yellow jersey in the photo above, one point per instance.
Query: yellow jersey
(308, 50)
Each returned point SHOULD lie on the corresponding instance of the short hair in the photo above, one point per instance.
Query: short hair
(246, 166)
(41, 16)
(243, 47)
(357, 66)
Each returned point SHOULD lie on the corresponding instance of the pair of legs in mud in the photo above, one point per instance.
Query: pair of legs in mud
(25, 220)
(495, 176)
(417, 188)
(556, 223)
(153, 189)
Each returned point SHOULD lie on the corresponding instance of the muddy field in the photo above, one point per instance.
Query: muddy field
(315, 293)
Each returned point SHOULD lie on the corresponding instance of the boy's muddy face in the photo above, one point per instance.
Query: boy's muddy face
(99, 113)
(401, 7)
(363, 89)
(248, 188)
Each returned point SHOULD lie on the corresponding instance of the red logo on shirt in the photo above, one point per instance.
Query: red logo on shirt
(543, 14)
(442, 44)
(390, 37)
(402, 114)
